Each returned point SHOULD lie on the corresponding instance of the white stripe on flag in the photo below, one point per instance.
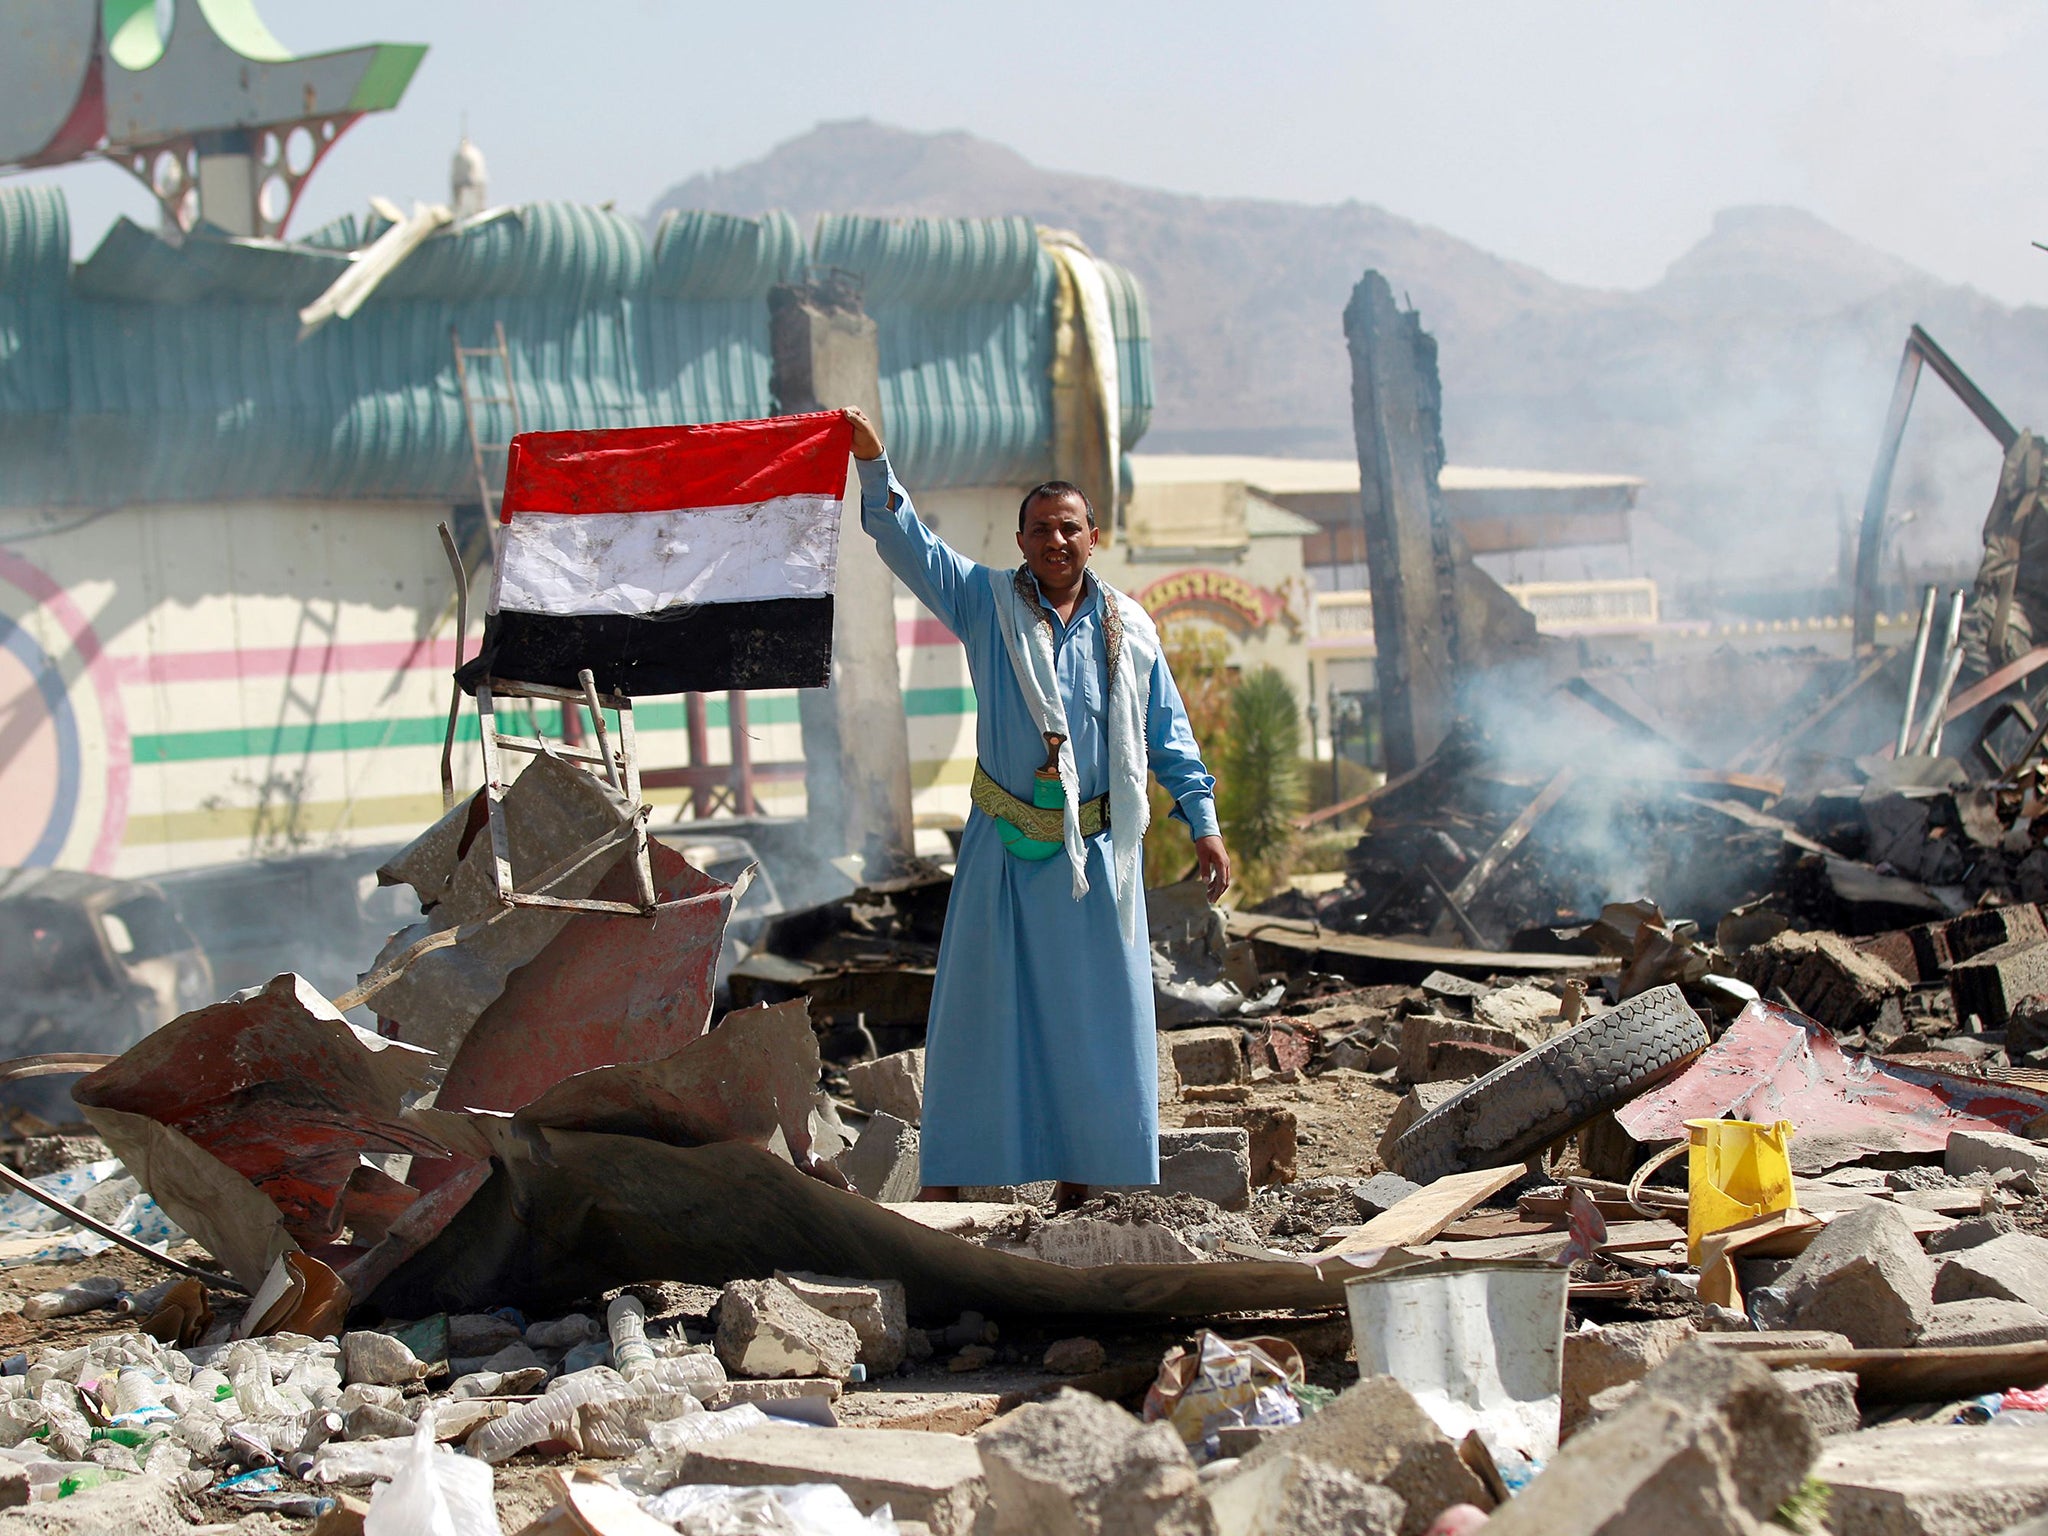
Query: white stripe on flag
(644, 562)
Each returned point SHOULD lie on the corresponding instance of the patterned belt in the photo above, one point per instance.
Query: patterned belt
(1043, 824)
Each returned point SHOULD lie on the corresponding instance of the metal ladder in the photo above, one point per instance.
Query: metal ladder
(489, 488)
(618, 763)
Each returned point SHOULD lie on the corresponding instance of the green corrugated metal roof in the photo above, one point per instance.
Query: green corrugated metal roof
(160, 372)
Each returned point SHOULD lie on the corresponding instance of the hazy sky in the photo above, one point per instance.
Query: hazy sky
(1594, 141)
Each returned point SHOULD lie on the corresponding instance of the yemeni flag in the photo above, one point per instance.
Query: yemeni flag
(669, 559)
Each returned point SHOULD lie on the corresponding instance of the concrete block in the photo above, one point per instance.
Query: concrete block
(1287, 1495)
(1596, 1359)
(936, 1478)
(1421, 1032)
(788, 1389)
(2013, 1267)
(1708, 1443)
(877, 1310)
(1865, 1275)
(1982, 1320)
(1969, 1233)
(1989, 985)
(883, 1164)
(1467, 1058)
(1933, 1480)
(1827, 1398)
(1379, 1434)
(891, 1085)
(1995, 1152)
(1966, 937)
(1213, 1162)
(1074, 1357)
(764, 1330)
(1273, 1133)
(1525, 1011)
(1208, 1057)
(1381, 1192)
(1078, 1466)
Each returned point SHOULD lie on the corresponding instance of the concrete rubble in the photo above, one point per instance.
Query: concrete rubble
(718, 1281)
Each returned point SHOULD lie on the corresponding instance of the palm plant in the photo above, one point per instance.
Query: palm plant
(1260, 790)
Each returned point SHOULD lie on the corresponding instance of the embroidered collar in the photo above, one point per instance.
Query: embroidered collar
(1112, 614)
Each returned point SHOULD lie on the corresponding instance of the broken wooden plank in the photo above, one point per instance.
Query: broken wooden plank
(1427, 1212)
(1362, 957)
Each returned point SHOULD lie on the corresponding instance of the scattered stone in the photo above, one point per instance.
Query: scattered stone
(1467, 1058)
(1287, 1495)
(1378, 1433)
(1596, 1359)
(1079, 1466)
(2026, 1026)
(890, 1085)
(1383, 1057)
(1523, 1010)
(2014, 1267)
(1273, 1138)
(972, 1357)
(765, 1330)
(1461, 989)
(1826, 977)
(1982, 1320)
(1989, 985)
(1864, 1275)
(1933, 1480)
(883, 1164)
(1207, 1058)
(877, 1309)
(1381, 1192)
(1827, 1398)
(786, 1390)
(1995, 1152)
(1970, 1233)
(1421, 1034)
(1074, 1357)
(1213, 1163)
(1225, 1093)
(1708, 1443)
(935, 1478)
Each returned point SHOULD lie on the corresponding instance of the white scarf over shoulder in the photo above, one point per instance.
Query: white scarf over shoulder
(1027, 636)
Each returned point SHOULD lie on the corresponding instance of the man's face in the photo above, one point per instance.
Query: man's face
(1057, 541)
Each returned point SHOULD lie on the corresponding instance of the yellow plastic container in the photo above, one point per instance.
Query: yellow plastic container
(1736, 1170)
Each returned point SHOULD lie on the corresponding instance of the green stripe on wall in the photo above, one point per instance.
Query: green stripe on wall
(428, 730)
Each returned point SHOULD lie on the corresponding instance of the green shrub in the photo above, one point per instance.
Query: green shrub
(1260, 792)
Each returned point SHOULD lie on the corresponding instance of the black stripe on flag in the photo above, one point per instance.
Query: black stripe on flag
(783, 642)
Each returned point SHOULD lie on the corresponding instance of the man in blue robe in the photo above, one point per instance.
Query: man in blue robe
(1040, 1053)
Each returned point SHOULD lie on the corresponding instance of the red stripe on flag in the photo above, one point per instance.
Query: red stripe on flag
(663, 469)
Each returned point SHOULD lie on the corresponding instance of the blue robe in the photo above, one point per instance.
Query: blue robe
(1040, 1053)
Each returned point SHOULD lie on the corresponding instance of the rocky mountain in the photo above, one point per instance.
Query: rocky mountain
(1748, 385)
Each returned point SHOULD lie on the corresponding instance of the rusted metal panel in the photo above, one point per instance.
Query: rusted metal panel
(1776, 1064)
(285, 1092)
(604, 990)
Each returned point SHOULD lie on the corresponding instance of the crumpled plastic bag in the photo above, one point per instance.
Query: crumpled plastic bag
(804, 1509)
(1225, 1382)
(434, 1493)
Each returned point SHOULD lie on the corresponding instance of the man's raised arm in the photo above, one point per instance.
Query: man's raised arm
(938, 575)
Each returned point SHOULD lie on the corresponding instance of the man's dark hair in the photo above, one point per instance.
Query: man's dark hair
(1054, 488)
